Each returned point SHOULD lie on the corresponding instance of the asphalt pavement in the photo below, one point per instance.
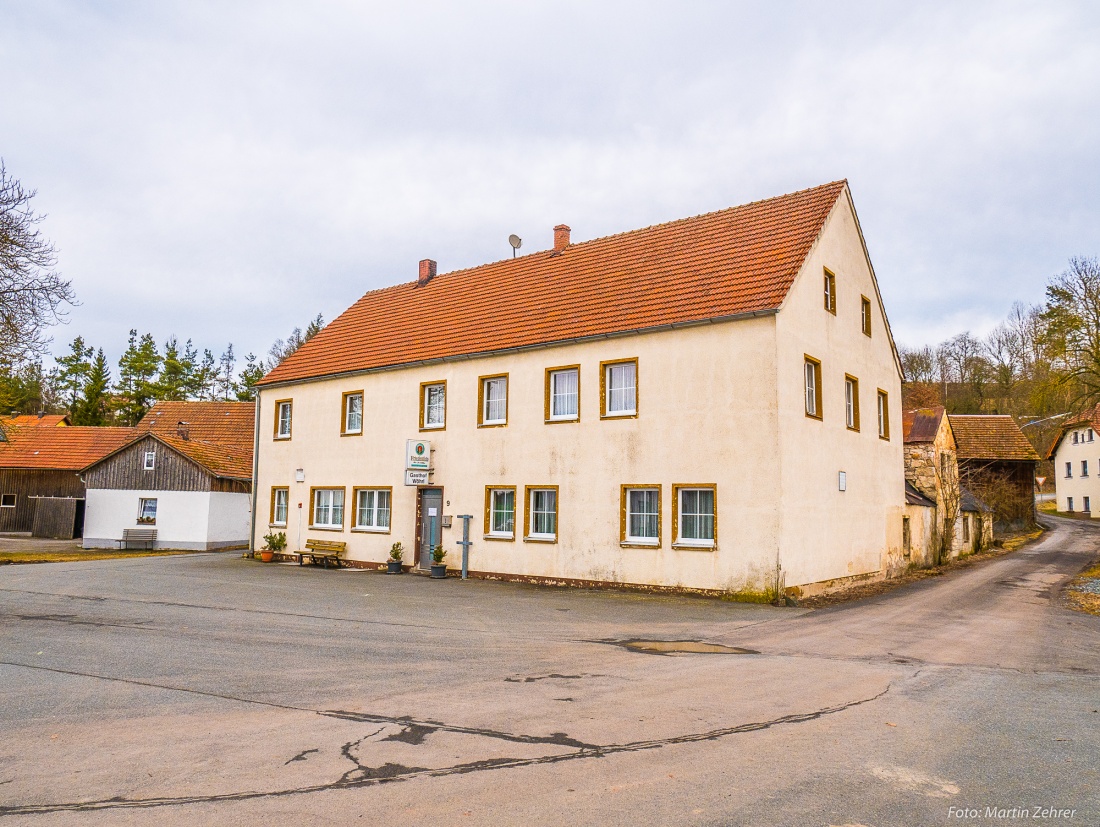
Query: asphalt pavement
(210, 689)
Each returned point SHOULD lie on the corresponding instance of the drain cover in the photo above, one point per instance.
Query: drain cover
(683, 647)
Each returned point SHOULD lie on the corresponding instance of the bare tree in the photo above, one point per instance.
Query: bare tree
(1072, 315)
(32, 293)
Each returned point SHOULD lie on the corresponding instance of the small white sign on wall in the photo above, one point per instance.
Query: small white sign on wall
(416, 478)
(842, 481)
(418, 454)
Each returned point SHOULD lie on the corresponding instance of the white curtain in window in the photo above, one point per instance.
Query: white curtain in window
(811, 389)
(496, 399)
(621, 386)
(503, 512)
(281, 495)
(697, 514)
(434, 405)
(641, 514)
(544, 512)
(354, 421)
(373, 509)
(329, 507)
(563, 393)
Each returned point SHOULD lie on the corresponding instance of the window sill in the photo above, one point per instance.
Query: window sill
(367, 530)
(553, 539)
(351, 433)
(442, 427)
(623, 415)
(505, 538)
(325, 528)
(884, 438)
(276, 525)
(639, 544)
(694, 547)
(282, 438)
(558, 420)
(816, 417)
(853, 430)
(492, 424)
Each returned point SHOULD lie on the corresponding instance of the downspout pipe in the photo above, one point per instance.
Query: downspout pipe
(255, 474)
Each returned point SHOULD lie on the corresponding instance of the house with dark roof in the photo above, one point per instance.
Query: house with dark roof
(691, 405)
(185, 470)
(41, 490)
(997, 463)
(959, 522)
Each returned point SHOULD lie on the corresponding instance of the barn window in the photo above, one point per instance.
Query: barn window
(7, 501)
(150, 460)
(147, 510)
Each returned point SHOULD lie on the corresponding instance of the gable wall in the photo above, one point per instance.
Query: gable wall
(171, 472)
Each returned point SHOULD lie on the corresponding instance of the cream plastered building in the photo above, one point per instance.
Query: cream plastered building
(708, 404)
(1076, 456)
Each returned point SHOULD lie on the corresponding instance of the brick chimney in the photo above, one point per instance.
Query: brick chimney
(427, 271)
(183, 430)
(561, 237)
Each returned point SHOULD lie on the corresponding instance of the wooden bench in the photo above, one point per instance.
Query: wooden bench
(323, 551)
(138, 538)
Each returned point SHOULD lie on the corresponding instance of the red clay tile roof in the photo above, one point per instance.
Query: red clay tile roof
(736, 261)
(221, 460)
(990, 437)
(1089, 416)
(35, 421)
(921, 425)
(63, 449)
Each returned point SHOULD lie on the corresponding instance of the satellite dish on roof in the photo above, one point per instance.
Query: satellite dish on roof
(516, 243)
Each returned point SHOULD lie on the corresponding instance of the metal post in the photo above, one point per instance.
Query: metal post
(465, 543)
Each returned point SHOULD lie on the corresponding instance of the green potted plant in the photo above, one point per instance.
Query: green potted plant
(272, 544)
(393, 565)
(439, 568)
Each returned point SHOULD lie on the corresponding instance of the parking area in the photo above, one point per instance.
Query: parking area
(218, 690)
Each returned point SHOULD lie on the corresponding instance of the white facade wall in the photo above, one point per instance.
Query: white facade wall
(718, 404)
(1081, 481)
(185, 519)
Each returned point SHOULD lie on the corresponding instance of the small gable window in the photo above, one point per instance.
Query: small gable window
(865, 315)
(150, 460)
(830, 292)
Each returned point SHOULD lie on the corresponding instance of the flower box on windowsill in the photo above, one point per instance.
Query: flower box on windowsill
(147, 520)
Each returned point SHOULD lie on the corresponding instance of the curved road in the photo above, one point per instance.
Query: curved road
(214, 690)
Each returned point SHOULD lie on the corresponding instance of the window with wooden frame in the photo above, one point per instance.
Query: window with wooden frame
(851, 402)
(540, 514)
(812, 377)
(352, 418)
(619, 388)
(830, 292)
(492, 401)
(883, 414)
(326, 508)
(500, 512)
(280, 502)
(150, 461)
(372, 509)
(865, 315)
(562, 394)
(283, 410)
(7, 501)
(640, 515)
(695, 515)
(433, 406)
(966, 528)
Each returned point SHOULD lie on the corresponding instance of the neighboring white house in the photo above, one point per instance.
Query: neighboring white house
(185, 472)
(1076, 456)
(692, 405)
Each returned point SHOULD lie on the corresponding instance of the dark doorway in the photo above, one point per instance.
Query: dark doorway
(430, 532)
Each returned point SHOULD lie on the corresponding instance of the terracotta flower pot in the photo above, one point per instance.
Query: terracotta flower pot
(267, 556)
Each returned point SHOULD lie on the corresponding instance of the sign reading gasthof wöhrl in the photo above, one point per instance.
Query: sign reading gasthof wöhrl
(418, 454)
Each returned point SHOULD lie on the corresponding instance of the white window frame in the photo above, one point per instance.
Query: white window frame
(811, 378)
(348, 429)
(142, 509)
(533, 514)
(150, 461)
(851, 402)
(655, 514)
(555, 396)
(506, 534)
(487, 401)
(609, 369)
(428, 424)
(376, 510)
(883, 404)
(275, 521)
(681, 513)
(281, 421)
(332, 507)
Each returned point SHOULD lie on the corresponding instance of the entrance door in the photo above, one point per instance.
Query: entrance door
(430, 533)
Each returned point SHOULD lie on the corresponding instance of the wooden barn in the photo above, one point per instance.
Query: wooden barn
(40, 486)
(185, 473)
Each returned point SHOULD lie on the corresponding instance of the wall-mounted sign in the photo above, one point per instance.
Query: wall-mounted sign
(300, 475)
(416, 477)
(418, 454)
(842, 480)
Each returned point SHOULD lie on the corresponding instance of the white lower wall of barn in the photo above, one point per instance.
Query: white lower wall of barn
(185, 519)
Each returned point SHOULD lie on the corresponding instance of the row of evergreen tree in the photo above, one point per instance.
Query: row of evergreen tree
(81, 385)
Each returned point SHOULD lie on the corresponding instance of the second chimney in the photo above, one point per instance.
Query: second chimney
(427, 271)
(561, 237)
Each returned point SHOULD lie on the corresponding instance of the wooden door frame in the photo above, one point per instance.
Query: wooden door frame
(420, 489)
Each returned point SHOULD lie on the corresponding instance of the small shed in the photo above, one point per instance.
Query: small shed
(997, 463)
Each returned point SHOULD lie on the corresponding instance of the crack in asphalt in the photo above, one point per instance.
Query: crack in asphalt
(365, 776)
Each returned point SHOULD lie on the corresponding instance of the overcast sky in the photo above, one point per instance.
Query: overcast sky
(224, 171)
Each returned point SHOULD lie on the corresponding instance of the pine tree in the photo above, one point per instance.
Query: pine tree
(137, 370)
(202, 378)
(174, 380)
(253, 372)
(95, 395)
(72, 374)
